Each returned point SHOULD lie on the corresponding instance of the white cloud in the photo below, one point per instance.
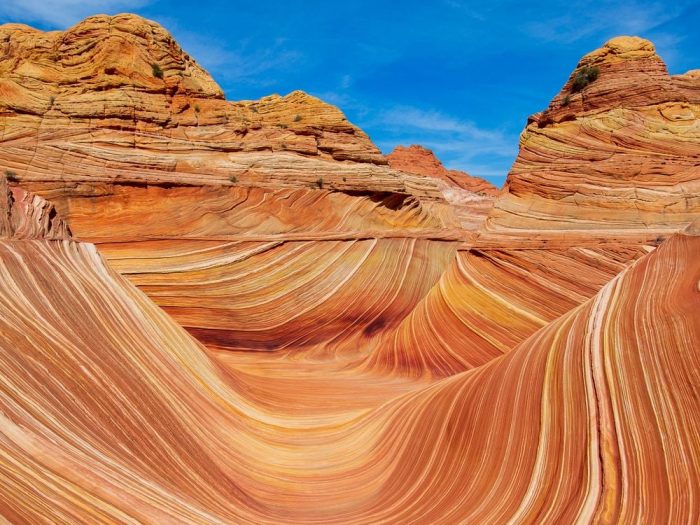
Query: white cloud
(235, 61)
(450, 133)
(63, 13)
(627, 17)
(345, 81)
(458, 143)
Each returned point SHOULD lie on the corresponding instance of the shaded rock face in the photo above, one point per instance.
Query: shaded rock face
(621, 153)
(24, 215)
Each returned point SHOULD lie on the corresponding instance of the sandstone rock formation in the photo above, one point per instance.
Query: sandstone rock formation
(422, 161)
(621, 154)
(471, 197)
(592, 190)
(241, 312)
(112, 412)
(24, 215)
(115, 99)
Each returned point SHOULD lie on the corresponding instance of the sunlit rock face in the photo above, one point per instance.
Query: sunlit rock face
(622, 153)
(88, 362)
(422, 161)
(134, 144)
(241, 312)
(471, 197)
(598, 182)
(115, 99)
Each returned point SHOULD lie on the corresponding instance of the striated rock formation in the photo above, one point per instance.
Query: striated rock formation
(24, 215)
(111, 412)
(422, 161)
(471, 197)
(115, 99)
(580, 204)
(273, 323)
(623, 153)
(590, 386)
(134, 144)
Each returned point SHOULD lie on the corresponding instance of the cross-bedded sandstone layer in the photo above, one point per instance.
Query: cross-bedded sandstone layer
(621, 153)
(365, 351)
(24, 215)
(422, 161)
(471, 197)
(115, 99)
(111, 412)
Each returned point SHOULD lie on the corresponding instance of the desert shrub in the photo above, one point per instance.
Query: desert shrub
(566, 101)
(583, 78)
(10, 175)
(319, 183)
(233, 179)
(197, 109)
(297, 118)
(157, 71)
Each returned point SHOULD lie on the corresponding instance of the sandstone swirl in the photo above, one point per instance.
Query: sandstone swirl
(241, 312)
(113, 413)
(603, 176)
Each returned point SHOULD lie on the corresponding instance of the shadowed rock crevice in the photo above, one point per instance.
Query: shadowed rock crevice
(24, 215)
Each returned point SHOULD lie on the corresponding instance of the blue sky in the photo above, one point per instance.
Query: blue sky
(459, 77)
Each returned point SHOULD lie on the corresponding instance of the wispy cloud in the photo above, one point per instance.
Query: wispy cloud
(62, 13)
(452, 134)
(631, 17)
(459, 143)
(237, 61)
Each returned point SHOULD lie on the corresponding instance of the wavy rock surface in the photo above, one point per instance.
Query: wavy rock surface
(24, 215)
(104, 422)
(611, 395)
(365, 350)
(598, 182)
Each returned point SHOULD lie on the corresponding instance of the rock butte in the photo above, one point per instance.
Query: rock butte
(217, 311)
(471, 197)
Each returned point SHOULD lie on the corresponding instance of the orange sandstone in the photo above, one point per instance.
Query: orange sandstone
(272, 322)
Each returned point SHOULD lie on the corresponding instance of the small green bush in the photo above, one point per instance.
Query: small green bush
(297, 118)
(197, 109)
(52, 99)
(319, 183)
(10, 175)
(593, 73)
(233, 179)
(566, 101)
(583, 78)
(157, 71)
